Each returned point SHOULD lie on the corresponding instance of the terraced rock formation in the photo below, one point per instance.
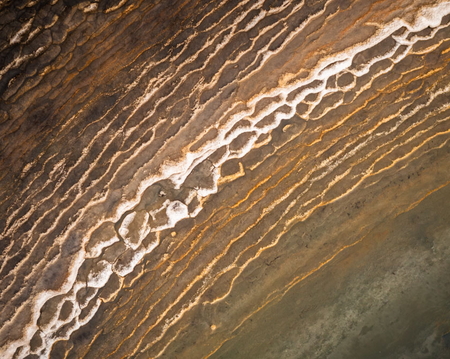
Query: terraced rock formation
(225, 179)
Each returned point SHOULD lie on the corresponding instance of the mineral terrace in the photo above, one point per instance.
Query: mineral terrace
(239, 179)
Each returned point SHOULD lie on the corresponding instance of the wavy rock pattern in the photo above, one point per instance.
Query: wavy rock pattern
(176, 175)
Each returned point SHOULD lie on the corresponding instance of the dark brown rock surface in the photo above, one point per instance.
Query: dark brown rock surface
(225, 179)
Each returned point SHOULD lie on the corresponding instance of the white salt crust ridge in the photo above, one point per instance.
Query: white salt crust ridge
(177, 173)
(179, 315)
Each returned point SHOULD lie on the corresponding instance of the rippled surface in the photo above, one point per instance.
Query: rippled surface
(175, 176)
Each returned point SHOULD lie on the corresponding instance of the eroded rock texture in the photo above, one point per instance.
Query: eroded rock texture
(225, 179)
